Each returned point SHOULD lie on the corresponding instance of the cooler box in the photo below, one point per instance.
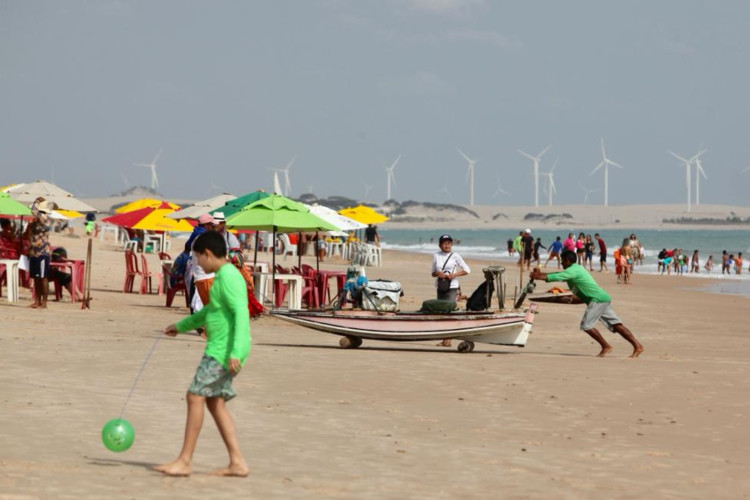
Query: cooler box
(383, 295)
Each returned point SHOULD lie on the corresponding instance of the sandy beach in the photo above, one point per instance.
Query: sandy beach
(388, 420)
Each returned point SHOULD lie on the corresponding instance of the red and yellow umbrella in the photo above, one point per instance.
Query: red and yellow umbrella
(145, 203)
(150, 219)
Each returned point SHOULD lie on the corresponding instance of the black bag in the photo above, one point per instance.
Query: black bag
(435, 306)
(444, 284)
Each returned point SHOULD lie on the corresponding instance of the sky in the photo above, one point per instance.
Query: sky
(228, 89)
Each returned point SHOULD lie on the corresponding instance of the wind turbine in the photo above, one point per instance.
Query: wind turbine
(276, 183)
(588, 192)
(500, 189)
(536, 160)
(606, 162)
(469, 176)
(687, 175)
(551, 189)
(698, 172)
(390, 177)
(152, 166)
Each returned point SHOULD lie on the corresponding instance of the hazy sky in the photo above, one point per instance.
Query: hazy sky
(230, 88)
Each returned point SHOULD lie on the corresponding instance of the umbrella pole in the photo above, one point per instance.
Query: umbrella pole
(299, 254)
(255, 250)
(317, 255)
(273, 269)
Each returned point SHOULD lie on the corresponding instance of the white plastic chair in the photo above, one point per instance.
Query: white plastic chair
(288, 249)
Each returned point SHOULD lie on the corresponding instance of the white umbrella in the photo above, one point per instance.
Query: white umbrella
(202, 207)
(335, 218)
(28, 193)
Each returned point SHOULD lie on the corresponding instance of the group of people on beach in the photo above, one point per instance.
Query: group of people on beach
(677, 260)
(585, 247)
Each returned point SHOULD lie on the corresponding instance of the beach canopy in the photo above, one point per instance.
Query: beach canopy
(335, 218)
(150, 219)
(9, 206)
(70, 214)
(28, 193)
(363, 214)
(279, 214)
(233, 206)
(145, 203)
(202, 207)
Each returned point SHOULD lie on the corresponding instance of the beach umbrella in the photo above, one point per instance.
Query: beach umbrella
(233, 206)
(363, 214)
(202, 207)
(278, 213)
(9, 206)
(69, 214)
(144, 203)
(28, 193)
(150, 219)
(335, 218)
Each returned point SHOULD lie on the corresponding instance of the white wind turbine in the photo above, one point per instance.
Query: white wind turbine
(606, 162)
(550, 188)
(276, 183)
(687, 175)
(469, 176)
(588, 192)
(390, 177)
(698, 172)
(536, 160)
(152, 166)
(500, 189)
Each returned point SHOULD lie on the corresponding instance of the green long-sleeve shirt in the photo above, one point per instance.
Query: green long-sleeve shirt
(226, 318)
(581, 283)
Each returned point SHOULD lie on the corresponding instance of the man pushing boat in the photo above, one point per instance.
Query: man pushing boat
(598, 302)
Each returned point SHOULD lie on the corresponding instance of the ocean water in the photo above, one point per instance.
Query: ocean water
(491, 245)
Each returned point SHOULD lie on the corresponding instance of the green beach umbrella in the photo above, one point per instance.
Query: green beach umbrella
(9, 206)
(233, 206)
(278, 213)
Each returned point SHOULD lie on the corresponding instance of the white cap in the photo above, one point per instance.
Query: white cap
(528, 231)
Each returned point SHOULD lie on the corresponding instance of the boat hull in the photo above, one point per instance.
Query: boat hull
(490, 328)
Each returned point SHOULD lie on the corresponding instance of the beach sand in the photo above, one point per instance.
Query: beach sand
(388, 420)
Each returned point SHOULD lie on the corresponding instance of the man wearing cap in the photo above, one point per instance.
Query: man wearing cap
(449, 265)
(37, 233)
(201, 280)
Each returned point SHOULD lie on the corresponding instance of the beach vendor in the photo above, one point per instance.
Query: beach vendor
(598, 302)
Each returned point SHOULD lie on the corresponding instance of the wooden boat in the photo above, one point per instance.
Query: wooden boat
(500, 328)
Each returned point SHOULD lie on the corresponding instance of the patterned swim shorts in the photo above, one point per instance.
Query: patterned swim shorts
(212, 380)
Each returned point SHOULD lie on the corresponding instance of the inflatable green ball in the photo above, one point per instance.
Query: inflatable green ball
(118, 435)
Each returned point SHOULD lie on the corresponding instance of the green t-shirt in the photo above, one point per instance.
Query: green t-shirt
(581, 284)
(226, 318)
(517, 244)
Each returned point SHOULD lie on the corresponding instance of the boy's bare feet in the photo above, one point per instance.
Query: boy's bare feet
(178, 468)
(234, 470)
(445, 343)
(604, 351)
(636, 352)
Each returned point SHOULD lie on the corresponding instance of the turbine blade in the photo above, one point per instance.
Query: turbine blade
(543, 151)
(601, 164)
(464, 155)
(527, 155)
(393, 165)
(678, 157)
(614, 164)
(290, 163)
(157, 156)
(604, 153)
(553, 166)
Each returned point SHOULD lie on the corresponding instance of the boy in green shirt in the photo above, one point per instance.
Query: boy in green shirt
(599, 303)
(227, 323)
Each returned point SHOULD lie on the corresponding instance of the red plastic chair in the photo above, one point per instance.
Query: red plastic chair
(164, 256)
(172, 290)
(310, 289)
(131, 271)
(147, 277)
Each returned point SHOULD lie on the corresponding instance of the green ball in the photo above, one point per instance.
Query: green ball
(118, 435)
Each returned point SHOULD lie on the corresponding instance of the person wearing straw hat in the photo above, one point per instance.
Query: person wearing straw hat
(37, 233)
